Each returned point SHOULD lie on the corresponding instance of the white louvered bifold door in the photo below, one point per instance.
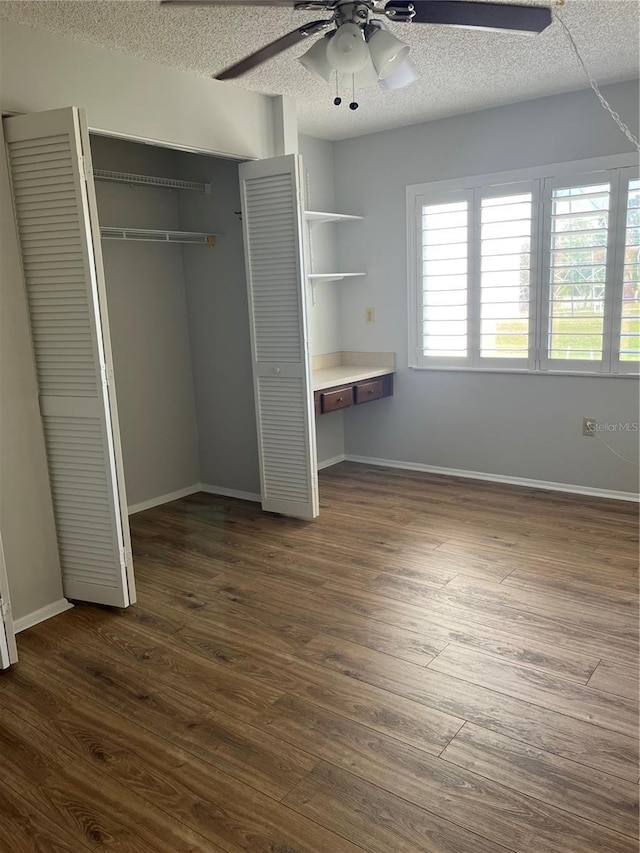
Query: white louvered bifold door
(272, 222)
(59, 237)
(8, 650)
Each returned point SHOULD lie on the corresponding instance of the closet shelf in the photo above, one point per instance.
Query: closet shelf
(149, 181)
(146, 234)
(318, 216)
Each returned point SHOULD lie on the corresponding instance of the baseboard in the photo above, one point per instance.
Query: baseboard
(254, 497)
(327, 463)
(40, 615)
(164, 499)
(496, 478)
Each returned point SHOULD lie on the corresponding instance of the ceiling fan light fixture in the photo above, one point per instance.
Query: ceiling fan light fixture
(315, 59)
(347, 50)
(404, 75)
(367, 76)
(387, 52)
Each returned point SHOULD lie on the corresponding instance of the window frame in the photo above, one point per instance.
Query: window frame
(619, 367)
(623, 168)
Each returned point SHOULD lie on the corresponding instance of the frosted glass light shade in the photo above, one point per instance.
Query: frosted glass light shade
(404, 75)
(347, 51)
(315, 59)
(387, 52)
(367, 76)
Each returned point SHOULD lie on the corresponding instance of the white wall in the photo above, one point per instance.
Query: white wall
(127, 96)
(520, 426)
(317, 159)
(26, 511)
(324, 315)
(146, 295)
(219, 328)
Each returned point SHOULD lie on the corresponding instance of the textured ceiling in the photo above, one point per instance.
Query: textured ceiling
(460, 70)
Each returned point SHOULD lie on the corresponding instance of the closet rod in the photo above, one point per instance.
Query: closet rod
(149, 181)
(146, 234)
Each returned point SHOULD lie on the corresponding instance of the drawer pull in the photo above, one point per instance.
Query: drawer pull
(339, 400)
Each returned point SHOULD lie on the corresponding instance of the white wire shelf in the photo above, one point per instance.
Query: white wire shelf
(152, 236)
(149, 181)
(319, 216)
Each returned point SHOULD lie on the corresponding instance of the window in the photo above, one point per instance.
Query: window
(630, 309)
(541, 274)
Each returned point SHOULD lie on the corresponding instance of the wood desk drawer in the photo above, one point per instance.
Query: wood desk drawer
(337, 398)
(370, 389)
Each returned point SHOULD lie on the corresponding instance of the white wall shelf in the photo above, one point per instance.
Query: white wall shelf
(317, 216)
(316, 277)
(333, 276)
(149, 235)
(148, 181)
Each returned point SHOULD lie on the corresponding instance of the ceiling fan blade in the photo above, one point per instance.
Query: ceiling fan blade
(272, 49)
(185, 3)
(476, 15)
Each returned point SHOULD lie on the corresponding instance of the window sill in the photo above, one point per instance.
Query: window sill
(524, 372)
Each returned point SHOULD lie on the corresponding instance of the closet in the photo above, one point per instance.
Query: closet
(164, 276)
(176, 293)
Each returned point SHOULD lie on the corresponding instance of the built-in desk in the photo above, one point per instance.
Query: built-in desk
(348, 379)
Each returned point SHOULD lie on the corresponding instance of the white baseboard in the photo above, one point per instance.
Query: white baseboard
(164, 499)
(496, 478)
(327, 463)
(40, 615)
(254, 497)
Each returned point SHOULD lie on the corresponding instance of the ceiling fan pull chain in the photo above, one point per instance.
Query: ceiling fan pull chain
(354, 104)
(337, 100)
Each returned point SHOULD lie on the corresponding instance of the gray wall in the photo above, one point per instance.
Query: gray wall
(26, 512)
(520, 426)
(219, 328)
(122, 95)
(149, 330)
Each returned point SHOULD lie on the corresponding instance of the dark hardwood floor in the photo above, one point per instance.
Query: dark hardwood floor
(435, 665)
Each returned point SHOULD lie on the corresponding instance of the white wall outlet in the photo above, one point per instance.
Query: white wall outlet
(370, 316)
(589, 427)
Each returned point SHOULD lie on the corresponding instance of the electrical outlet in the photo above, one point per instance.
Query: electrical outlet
(589, 427)
(370, 316)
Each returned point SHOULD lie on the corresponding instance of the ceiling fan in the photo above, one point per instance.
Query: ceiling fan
(357, 41)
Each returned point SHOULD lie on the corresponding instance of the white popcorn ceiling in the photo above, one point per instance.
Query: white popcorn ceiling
(460, 70)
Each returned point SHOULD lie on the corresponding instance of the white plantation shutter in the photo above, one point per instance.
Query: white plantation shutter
(507, 275)
(58, 232)
(272, 222)
(533, 271)
(475, 276)
(627, 331)
(577, 292)
(444, 233)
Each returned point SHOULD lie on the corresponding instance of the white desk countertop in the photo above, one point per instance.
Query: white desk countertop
(345, 374)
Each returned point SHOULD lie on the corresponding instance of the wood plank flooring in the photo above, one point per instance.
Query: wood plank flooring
(433, 666)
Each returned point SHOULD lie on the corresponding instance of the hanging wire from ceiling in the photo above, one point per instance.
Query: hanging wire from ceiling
(607, 106)
(615, 452)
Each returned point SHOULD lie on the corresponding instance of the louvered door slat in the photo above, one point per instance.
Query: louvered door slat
(282, 382)
(57, 229)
